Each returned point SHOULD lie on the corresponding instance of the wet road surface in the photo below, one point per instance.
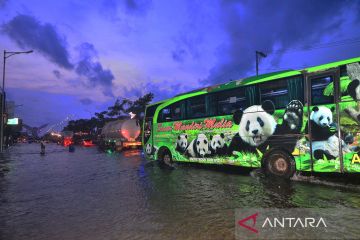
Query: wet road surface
(92, 195)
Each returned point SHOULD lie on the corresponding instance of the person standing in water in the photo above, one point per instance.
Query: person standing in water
(71, 148)
(42, 146)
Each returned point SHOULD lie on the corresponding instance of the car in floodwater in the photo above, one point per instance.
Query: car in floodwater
(67, 138)
(87, 143)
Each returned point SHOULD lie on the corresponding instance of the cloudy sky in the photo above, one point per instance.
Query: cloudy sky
(88, 53)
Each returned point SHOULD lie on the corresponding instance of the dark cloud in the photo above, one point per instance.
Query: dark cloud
(191, 34)
(28, 32)
(91, 68)
(179, 55)
(186, 46)
(260, 25)
(137, 6)
(357, 10)
(86, 101)
(109, 8)
(3, 3)
(57, 74)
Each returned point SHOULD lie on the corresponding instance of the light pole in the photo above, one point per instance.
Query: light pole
(2, 122)
(257, 55)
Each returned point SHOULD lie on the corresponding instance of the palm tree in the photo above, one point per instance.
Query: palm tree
(115, 109)
(119, 108)
(139, 105)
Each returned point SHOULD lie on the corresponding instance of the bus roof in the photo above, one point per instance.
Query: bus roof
(265, 77)
(158, 102)
(333, 64)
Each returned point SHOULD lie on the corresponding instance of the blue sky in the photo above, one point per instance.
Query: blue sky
(88, 53)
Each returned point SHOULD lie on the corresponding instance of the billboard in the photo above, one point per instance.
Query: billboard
(13, 121)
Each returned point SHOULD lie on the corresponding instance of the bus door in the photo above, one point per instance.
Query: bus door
(148, 137)
(349, 116)
(148, 129)
(323, 120)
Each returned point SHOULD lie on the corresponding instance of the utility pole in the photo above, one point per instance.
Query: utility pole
(258, 54)
(2, 120)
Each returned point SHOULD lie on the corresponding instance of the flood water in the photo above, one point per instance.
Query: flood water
(92, 195)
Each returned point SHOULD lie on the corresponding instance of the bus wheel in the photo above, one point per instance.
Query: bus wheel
(279, 164)
(166, 159)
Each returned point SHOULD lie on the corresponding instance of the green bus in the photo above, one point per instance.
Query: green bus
(288, 121)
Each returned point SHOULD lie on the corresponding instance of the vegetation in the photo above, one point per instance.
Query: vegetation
(120, 110)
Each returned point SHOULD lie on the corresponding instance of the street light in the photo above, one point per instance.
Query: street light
(6, 55)
(258, 54)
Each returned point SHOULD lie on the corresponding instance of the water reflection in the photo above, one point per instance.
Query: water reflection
(132, 153)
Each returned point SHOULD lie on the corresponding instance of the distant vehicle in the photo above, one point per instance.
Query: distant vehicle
(67, 141)
(22, 140)
(80, 136)
(120, 134)
(67, 138)
(87, 143)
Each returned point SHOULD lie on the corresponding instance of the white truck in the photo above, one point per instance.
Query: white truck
(121, 134)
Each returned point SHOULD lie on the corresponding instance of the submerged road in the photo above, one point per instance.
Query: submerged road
(91, 195)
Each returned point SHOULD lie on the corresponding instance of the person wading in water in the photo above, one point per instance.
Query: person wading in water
(42, 146)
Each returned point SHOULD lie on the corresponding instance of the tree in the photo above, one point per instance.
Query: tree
(115, 109)
(139, 105)
(119, 110)
(101, 115)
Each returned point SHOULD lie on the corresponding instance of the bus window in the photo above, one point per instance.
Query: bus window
(172, 112)
(275, 91)
(252, 94)
(348, 73)
(150, 111)
(165, 114)
(296, 88)
(211, 101)
(230, 101)
(343, 71)
(177, 110)
(317, 91)
(196, 107)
